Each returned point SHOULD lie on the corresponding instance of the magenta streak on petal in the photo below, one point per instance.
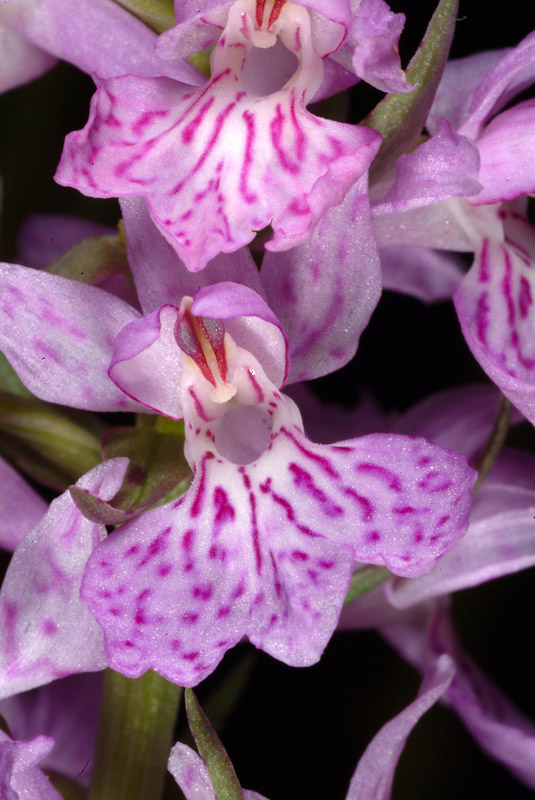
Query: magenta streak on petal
(224, 509)
(382, 473)
(507, 289)
(482, 317)
(249, 197)
(525, 299)
(321, 461)
(304, 481)
(300, 138)
(189, 131)
(258, 390)
(146, 118)
(218, 127)
(484, 273)
(256, 535)
(158, 545)
(368, 510)
(198, 405)
(276, 126)
(196, 507)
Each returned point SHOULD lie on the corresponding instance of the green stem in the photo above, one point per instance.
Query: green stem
(495, 441)
(135, 737)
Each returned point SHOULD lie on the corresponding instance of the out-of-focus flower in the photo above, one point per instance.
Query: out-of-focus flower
(20, 507)
(66, 710)
(374, 774)
(20, 776)
(20, 60)
(494, 301)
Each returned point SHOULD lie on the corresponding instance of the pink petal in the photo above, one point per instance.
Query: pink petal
(322, 294)
(20, 507)
(375, 771)
(507, 150)
(47, 632)
(58, 336)
(494, 303)
(73, 30)
(512, 73)
(20, 61)
(442, 167)
(20, 776)
(159, 274)
(375, 32)
(146, 364)
(190, 772)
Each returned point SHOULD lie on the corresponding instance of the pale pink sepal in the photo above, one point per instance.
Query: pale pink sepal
(190, 772)
(20, 60)
(20, 776)
(512, 73)
(58, 335)
(73, 30)
(47, 632)
(160, 276)
(375, 771)
(494, 303)
(322, 294)
(443, 167)
(146, 363)
(507, 151)
(430, 275)
(20, 507)
(375, 37)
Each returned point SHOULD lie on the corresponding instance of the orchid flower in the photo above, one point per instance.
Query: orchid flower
(219, 163)
(442, 200)
(66, 711)
(264, 541)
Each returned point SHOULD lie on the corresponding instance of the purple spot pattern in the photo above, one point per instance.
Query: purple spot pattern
(266, 549)
(495, 305)
(234, 161)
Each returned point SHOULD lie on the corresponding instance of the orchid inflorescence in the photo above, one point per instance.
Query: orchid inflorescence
(171, 490)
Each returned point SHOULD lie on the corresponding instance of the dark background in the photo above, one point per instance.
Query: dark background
(299, 733)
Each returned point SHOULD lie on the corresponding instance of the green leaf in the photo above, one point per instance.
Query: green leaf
(224, 779)
(53, 445)
(157, 467)
(401, 117)
(10, 381)
(157, 14)
(364, 580)
(92, 260)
